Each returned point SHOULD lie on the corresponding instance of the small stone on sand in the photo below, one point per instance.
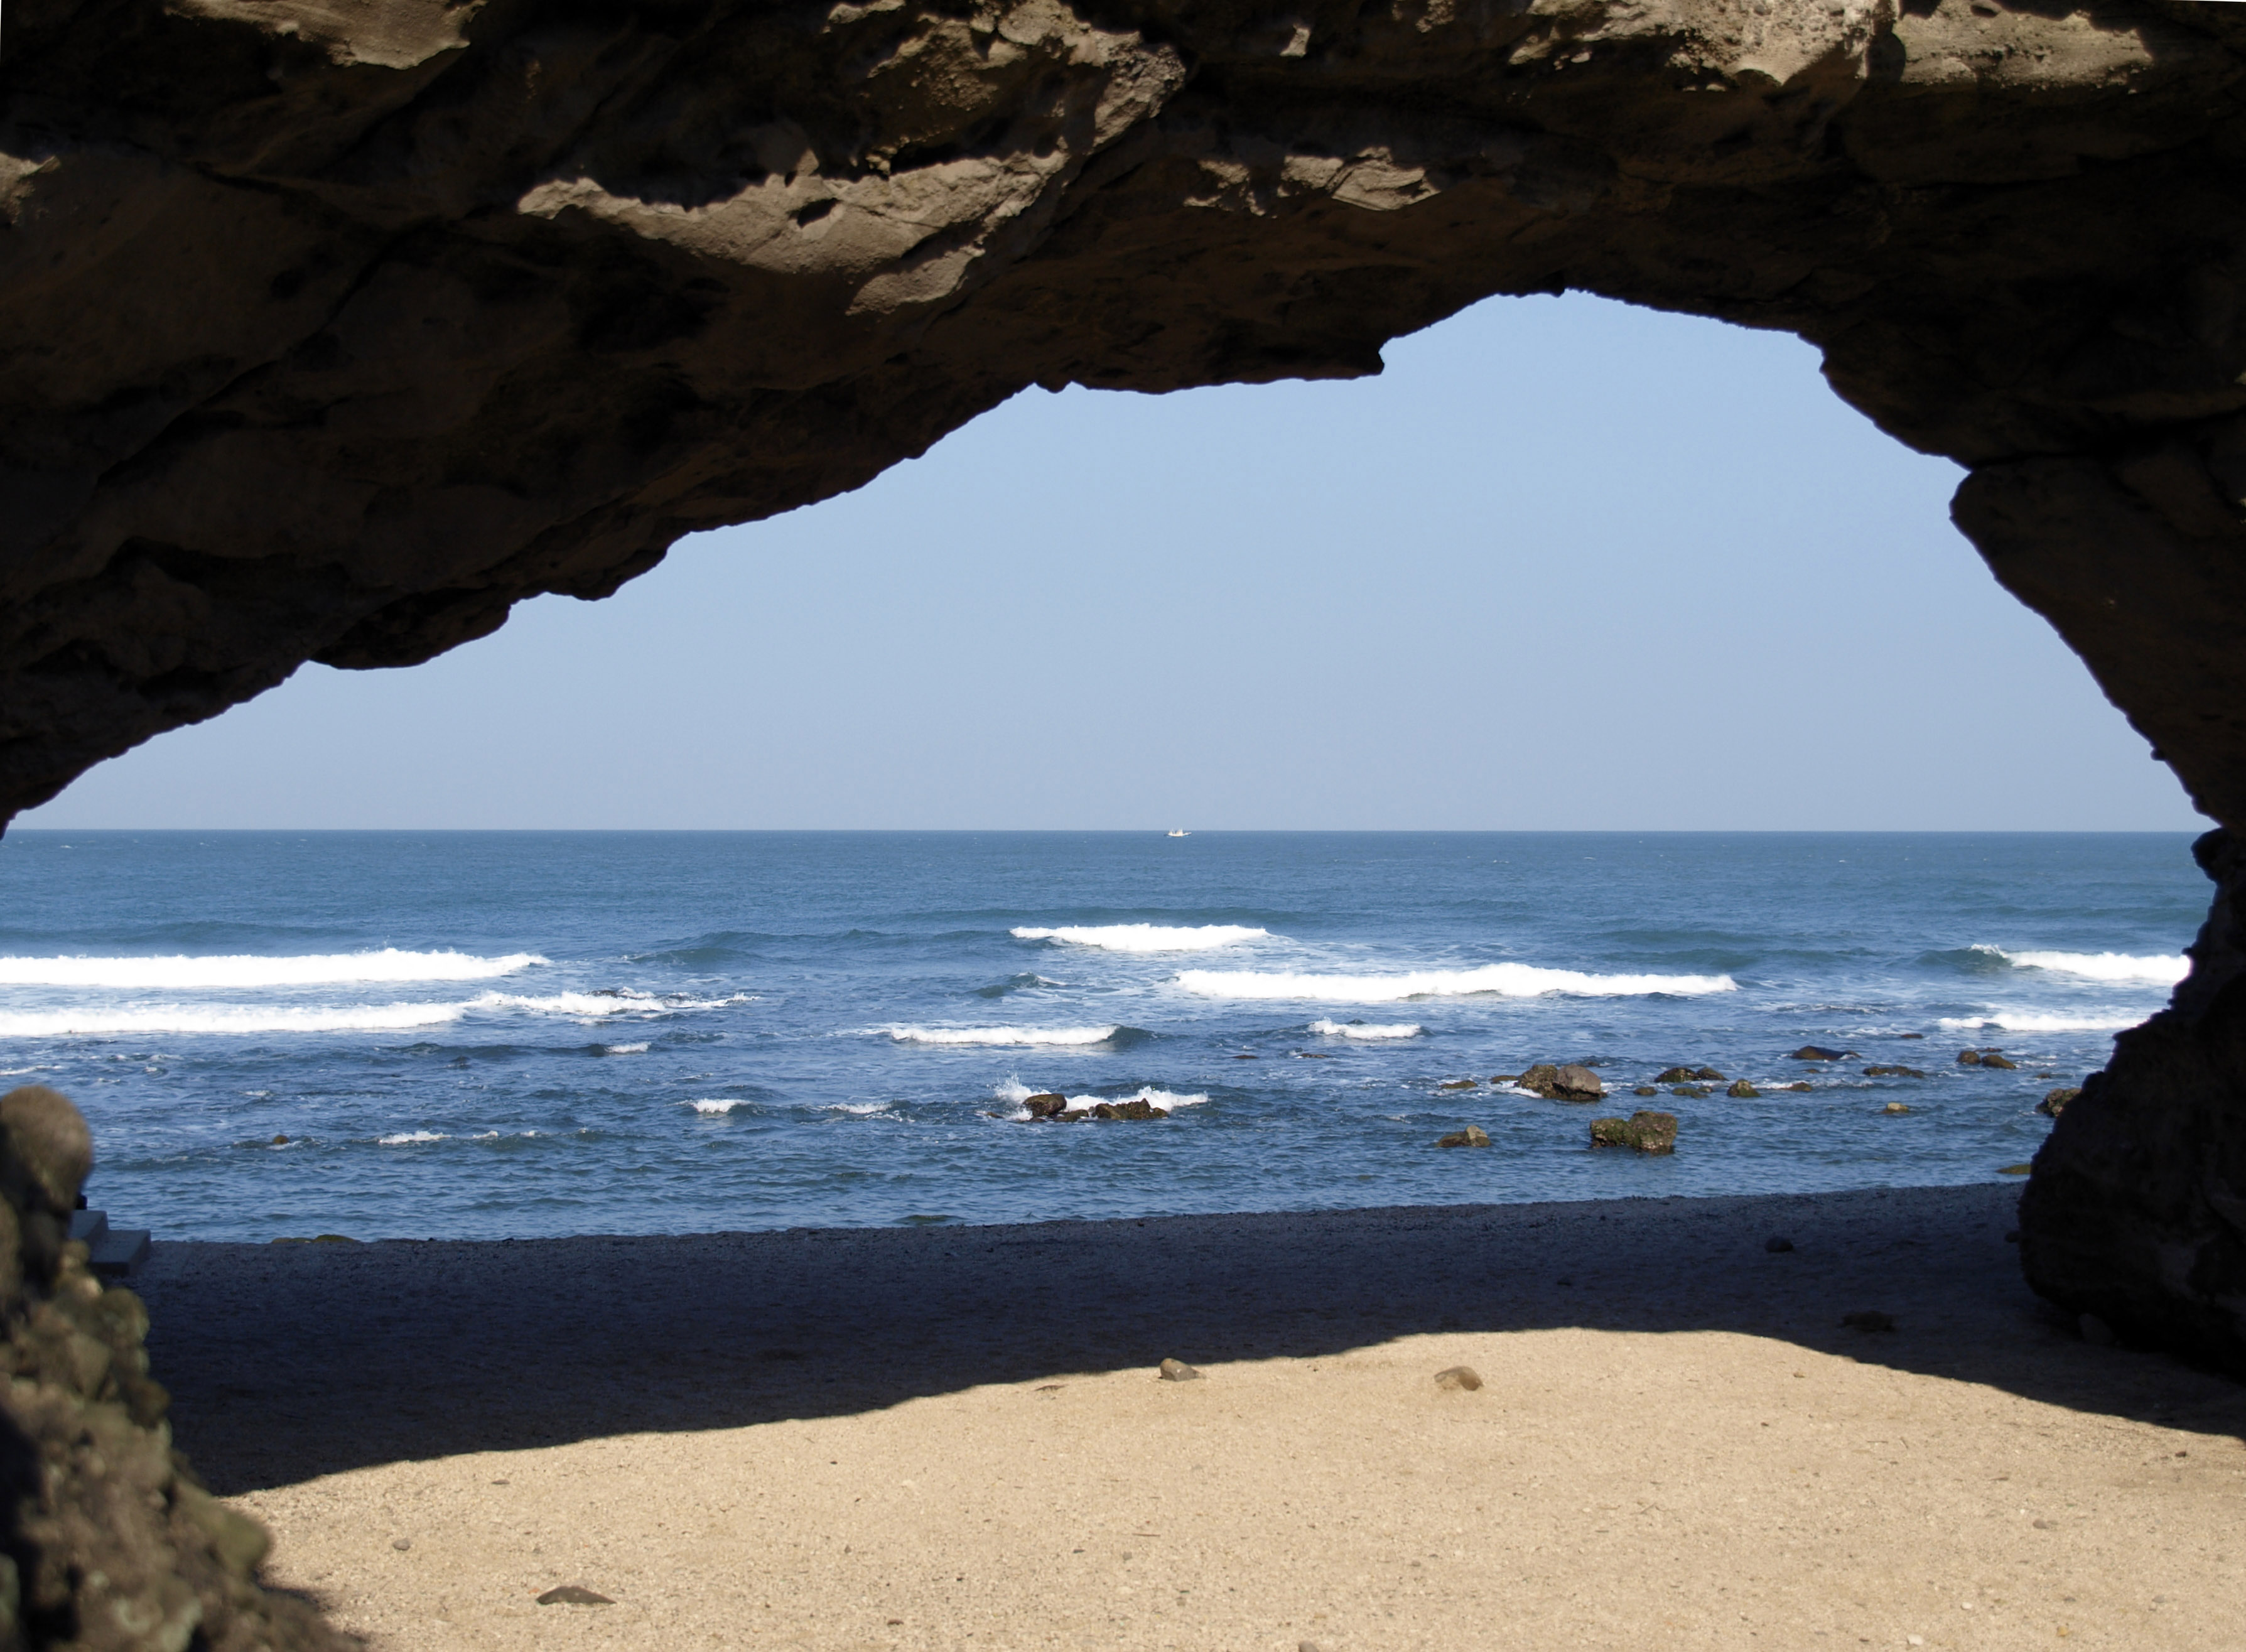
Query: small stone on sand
(1463, 1377)
(1176, 1370)
(401, 1543)
(573, 1594)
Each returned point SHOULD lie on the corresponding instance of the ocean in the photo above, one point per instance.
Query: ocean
(518, 1034)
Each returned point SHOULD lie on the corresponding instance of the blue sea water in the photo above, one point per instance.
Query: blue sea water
(516, 1034)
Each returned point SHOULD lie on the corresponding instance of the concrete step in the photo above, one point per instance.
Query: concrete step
(117, 1252)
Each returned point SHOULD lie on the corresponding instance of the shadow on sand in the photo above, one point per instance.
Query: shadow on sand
(290, 1362)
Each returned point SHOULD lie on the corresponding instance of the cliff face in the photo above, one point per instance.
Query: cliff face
(332, 329)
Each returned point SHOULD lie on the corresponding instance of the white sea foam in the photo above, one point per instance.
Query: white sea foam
(2023, 1020)
(625, 1049)
(2164, 969)
(717, 1106)
(1169, 1100)
(862, 1109)
(1360, 1029)
(1000, 1035)
(409, 1137)
(390, 1017)
(1505, 980)
(1149, 937)
(213, 973)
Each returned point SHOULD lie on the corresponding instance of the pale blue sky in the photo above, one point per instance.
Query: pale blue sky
(1566, 564)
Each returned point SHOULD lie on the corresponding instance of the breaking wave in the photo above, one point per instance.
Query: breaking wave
(1149, 937)
(407, 1138)
(1002, 1035)
(2023, 1020)
(1016, 1092)
(717, 1105)
(1362, 1029)
(389, 1017)
(215, 974)
(1504, 980)
(2164, 969)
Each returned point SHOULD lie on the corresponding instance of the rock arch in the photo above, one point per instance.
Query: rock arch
(332, 329)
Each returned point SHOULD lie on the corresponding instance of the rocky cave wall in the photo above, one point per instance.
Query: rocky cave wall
(333, 328)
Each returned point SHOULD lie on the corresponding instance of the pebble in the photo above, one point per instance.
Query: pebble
(1176, 1370)
(1458, 1377)
(401, 1543)
(573, 1594)
(1777, 1244)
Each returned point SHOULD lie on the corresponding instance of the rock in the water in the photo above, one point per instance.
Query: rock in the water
(1893, 1072)
(1138, 1107)
(1691, 1092)
(1990, 1059)
(114, 1544)
(1457, 1083)
(1049, 1106)
(1688, 1075)
(1577, 1083)
(2055, 1103)
(1895, 1107)
(1868, 1319)
(1649, 1132)
(1645, 1089)
(2016, 1170)
(1777, 1244)
(1742, 1091)
(1818, 1052)
(1472, 1136)
(1910, 1035)
(573, 1594)
(1458, 1377)
(1504, 1078)
(1799, 1084)
(1176, 1370)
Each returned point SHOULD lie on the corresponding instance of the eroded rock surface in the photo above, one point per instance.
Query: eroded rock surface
(107, 1540)
(330, 331)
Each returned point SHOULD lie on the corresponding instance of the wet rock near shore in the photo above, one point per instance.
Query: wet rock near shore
(1044, 1106)
(1472, 1136)
(1575, 1082)
(1688, 1075)
(2054, 1103)
(1893, 1072)
(1818, 1052)
(1986, 1058)
(1649, 1132)
(1742, 1091)
(107, 1540)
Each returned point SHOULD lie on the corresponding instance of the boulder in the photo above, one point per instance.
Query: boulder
(1649, 1132)
(1472, 1136)
(112, 1540)
(1457, 1083)
(1818, 1052)
(2055, 1103)
(1742, 1091)
(1990, 1059)
(1893, 1072)
(1138, 1107)
(1688, 1075)
(1045, 1106)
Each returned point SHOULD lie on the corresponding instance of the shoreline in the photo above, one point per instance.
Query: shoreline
(1676, 1443)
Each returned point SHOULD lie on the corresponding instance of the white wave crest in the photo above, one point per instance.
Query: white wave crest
(1017, 1092)
(624, 1050)
(1149, 937)
(2022, 1021)
(2166, 970)
(1505, 980)
(239, 1019)
(1000, 1035)
(1360, 1029)
(409, 1137)
(213, 974)
(717, 1106)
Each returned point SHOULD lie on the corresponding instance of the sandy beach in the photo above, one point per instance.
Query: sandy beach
(955, 1437)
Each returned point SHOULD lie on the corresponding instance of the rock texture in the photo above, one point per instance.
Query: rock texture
(330, 331)
(107, 1540)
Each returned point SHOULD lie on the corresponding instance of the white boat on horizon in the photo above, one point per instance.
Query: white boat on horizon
(1182, 832)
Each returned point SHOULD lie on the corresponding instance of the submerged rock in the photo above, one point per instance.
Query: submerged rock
(1692, 1092)
(1799, 1084)
(1742, 1091)
(1688, 1075)
(1818, 1052)
(1895, 1108)
(2055, 1104)
(1649, 1132)
(1645, 1089)
(1458, 1083)
(1893, 1072)
(1472, 1136)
